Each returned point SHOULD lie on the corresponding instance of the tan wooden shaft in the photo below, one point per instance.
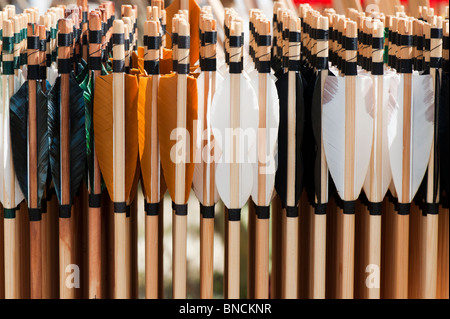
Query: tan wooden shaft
(276, 260)
(317, 279)
(289, 288)
(12, 258)
(233, 276)
(151, 257)
(66, 257)
(95, 252)
(443, 254)
(95, 214)
(346, 264)
(373, 252)
(35, 259)
(207, 224)
(206, 257)
(317, 286)
(262, 259)
(429, 285)
(179, 223)
(122, 284)
(179, 271)
(66, 235)
(233, 260)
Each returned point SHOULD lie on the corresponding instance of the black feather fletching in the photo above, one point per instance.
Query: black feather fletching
(437, 145)
(281, 174)
(309, 146)
(77, 136)
(422, 193)
(84, 72)
(19, 133)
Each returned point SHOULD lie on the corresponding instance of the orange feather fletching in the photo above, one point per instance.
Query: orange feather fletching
(103, 130)
(194, 18)
(144, 125)
(167, 121)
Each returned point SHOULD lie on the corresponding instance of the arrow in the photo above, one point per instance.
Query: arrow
(84, 28)
(321, 174)
(410, 139)
(444, 118)
(94, 175)
(264, 169)
(177, 157)
(288, 180)
(67, 147)
(11, 195)
(203, 182)
(192, 12)
(30, 151)
(115, 128)
(233, 115)
(347, 137)
(149, 152)
(379, 174)
(433, 32)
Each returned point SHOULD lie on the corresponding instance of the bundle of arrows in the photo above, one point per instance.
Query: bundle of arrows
(326, 132)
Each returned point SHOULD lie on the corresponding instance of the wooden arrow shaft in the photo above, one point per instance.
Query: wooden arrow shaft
(151, 257)
(66, 235)
(208, 164)
(207, 224)
(317, 286)
(289, 287)
(12, 258)
(154, 157)
(233, 260)
(121, 262)
(206, 257)
(262, 258)
(94, 219)
(35, 226)
(318, 258)
(350, 108)
(179, 235)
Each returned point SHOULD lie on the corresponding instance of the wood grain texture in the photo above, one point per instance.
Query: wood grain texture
(443, 255)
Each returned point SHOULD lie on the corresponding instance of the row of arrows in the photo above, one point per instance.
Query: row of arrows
(319, 103)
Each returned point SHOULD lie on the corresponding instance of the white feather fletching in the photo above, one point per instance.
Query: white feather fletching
(333, 124)
(20, 79)
(272, 123)
(197, 183)
(388, 103)
(422, 115)
(52, 74)
(220, 122)
(11, 193)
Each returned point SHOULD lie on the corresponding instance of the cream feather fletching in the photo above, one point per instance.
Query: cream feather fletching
(333, 124)
(379, 163)
(202, 129)
(271, 134)
(11, 193)
(220, 121)
(422, 115)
